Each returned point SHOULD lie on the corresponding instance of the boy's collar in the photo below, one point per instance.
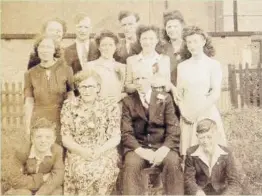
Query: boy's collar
(216, 154)
(33, 153)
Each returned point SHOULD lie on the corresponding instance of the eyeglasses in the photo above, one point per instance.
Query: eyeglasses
(87, 87)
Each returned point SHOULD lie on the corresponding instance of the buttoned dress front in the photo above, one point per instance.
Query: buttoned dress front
(49, 91)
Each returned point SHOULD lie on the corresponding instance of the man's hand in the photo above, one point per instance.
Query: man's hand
(160, 154)
(146, 154)
(200, 193)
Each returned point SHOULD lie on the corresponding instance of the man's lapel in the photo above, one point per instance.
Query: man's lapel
(139, 106)
(93, 52)
(135, 48)
(156, 105)
(203, 166)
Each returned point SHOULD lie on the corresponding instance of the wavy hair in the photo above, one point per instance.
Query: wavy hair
(209, 50)
(172, 15)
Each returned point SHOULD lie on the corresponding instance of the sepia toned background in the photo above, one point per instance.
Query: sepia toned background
(21, 19)
(236, 30)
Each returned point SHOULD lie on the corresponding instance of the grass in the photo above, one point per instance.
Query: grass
(244, 132)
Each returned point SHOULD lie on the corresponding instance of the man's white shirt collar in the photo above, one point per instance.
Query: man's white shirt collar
(217, 153)
(34, 155)
(145, 99)
(79, 49)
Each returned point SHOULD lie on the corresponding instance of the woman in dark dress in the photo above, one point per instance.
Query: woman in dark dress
(47, 84)
(173, 24)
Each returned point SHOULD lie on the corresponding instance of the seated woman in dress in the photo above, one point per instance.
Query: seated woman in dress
(112, 72)
(149, 61)
(210, 168)
(90, 132)
(54, 28)
(47, 85)
(198, 87)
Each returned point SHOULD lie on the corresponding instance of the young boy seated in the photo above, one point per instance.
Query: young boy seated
(210, 168)
(38, 170)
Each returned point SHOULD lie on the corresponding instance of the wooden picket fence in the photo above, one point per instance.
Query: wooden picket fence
(245, 85)
(12, 105)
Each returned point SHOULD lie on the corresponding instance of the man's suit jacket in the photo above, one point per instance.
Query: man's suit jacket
(160, 128)
(122, 54)
(71, 56)
(24, 175)
(223, 178)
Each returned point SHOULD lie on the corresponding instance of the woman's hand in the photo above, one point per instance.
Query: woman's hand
(87, 154)
(174, 91)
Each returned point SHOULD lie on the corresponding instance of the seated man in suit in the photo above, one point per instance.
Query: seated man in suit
(150, 137)
(39, 169)
(129, 45)
(84, 49)
(209, 167)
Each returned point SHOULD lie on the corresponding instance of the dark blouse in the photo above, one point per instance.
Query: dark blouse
(175, 59)
(52, 91)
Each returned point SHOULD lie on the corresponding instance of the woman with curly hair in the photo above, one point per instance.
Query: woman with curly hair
(198, 87)
(90, 133)
(47, 84)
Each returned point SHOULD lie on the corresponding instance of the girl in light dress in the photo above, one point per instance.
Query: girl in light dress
(198, 87)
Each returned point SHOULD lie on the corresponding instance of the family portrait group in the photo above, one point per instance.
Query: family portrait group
(101, 110)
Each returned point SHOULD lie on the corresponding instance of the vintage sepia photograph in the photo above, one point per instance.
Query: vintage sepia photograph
(131, 97)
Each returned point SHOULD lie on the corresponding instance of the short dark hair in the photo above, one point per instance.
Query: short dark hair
(143, 28)
(60, 21)
(209, 49)
(205, 125)
(40, 38)
(106, 33)
(42, 123)
(124, 14)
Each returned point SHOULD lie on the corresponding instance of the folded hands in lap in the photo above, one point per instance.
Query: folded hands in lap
(154, 157)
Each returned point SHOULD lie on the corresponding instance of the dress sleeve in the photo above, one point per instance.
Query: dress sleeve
(215, 82)
(123, 75)
(28, 86)
(67, 121)
(129, 72)
(113, 115)
(70, 79)
(167, 72)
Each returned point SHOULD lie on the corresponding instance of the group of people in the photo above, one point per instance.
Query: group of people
(145, 100)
